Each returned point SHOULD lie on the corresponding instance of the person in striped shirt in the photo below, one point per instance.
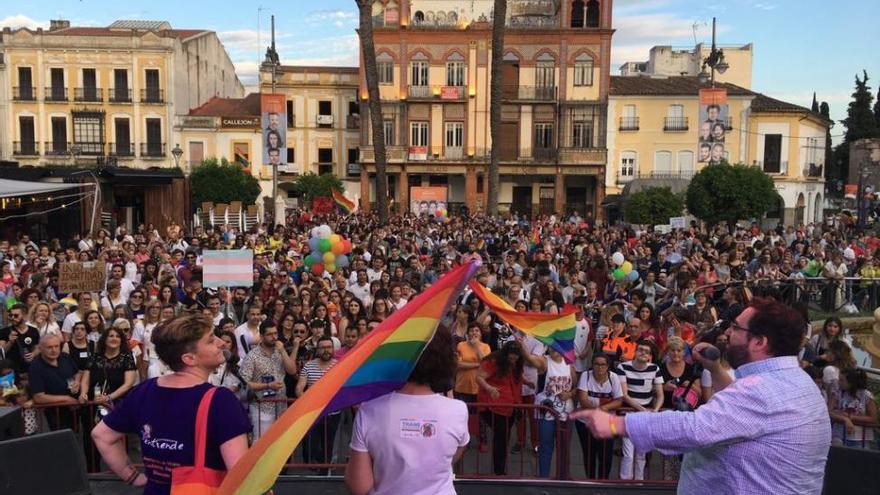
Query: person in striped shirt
(642, 387)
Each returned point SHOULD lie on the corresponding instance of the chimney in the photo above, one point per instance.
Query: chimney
(57, 24)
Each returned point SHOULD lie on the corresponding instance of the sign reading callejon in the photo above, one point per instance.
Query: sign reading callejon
(240, 122)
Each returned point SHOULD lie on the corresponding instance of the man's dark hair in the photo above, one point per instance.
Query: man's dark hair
(266, 325)
(638, 293)
(324, 338)
(780, 323)
(436, 366)
(651, 345)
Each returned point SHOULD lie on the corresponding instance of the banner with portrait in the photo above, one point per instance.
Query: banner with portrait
(427, 200)
(713, 125)
(273, 121)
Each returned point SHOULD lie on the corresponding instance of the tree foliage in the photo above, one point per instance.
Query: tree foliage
(860, 121)
(653, 206)
(727, 193)
(219, 181)
(311, 185)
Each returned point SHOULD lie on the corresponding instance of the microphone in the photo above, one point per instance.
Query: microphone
(711, 353)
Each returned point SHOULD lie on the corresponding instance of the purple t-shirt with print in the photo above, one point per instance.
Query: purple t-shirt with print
(164, 419)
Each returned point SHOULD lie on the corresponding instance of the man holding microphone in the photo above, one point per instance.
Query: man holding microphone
(766, 432)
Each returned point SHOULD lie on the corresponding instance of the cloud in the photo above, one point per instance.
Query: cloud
(337, 17)
(22, 21)
(764, 6)
(326, 51)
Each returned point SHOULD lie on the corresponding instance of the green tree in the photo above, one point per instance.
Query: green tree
(860, 122)
(311, 185)
(877, 108)
(815, 105)
(727, 193)
(831, 172)
(219, 181)
(653, 206)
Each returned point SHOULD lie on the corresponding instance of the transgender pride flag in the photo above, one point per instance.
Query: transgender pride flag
(228, 268)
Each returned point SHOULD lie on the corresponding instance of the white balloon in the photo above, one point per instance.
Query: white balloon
(324, 231)
(314, 231)
(618, 258)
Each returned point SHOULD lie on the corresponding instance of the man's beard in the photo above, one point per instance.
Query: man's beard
(325, 356)
(737, 355)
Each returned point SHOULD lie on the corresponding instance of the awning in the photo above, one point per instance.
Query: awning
(613, 200)
(11, 188)
(139, 177)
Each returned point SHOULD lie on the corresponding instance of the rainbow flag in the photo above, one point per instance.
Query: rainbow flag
(535, 241)
(344, 204)
(556, 331)
(379, 364)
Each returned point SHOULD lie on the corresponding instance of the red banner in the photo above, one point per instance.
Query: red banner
(322, 205)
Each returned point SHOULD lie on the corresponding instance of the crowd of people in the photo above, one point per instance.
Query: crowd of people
(71, 358)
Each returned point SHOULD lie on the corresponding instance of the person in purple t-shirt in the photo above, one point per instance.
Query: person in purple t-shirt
(162, 411)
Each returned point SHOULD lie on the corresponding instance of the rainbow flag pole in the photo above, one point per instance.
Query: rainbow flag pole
(379, 364)
(556, 331)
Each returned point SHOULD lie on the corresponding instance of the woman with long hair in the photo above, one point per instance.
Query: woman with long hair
(79, 347)
(500, 382)
(227, 374)
(598, 388)
(832, 330)
(379, 310)
(853, 403)
(351, 313)
(150, 365)
(840, 358)
(111, 372)
(94, 325)
(42, 317)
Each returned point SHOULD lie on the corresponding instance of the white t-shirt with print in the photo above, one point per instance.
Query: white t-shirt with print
(412, 440)
(530, 373)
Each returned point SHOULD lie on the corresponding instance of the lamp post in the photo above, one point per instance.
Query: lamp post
(715, 61)
(176, 152)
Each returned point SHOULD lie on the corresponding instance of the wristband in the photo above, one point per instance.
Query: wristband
(133, 476)
(612, 426)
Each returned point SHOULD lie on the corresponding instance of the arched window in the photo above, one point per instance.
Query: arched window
(583, 70)
(686, 164)
(577, 14)
(662, 162)
(593, 13)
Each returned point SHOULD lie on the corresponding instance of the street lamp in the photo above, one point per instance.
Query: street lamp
(177, 153)
(715, 61)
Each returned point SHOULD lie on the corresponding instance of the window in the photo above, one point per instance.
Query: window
(675, 111)
(419, 73)
(629, 121)
(88, 132)
(582, 135)
(291, 155)
(418, 134)
(291, 118)
(354, 108)
(583, 70)
(59, 135)
(386, 72)
(388, 129)
(325, 155)
(28, 143)
(628, 164)
(772, 153)
(352, 155)
(543, 135)
(122, 127)
(242, 154)
(686, 163)
(662, 162)
(454, 135)
(545, 74)
(325, 107)
(455, 74)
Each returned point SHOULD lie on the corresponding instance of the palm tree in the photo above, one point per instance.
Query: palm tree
(365, 32)
(498, 25)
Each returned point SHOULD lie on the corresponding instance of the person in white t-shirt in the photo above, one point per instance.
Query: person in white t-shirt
(534, 350)
(406, 441)
(598, 388)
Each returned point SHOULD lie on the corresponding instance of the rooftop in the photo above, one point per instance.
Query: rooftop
(229, 107)
(667, 86)
(121, 28)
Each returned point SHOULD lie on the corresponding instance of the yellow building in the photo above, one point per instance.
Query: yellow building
(105, 97)
(654, 129)
(434, 66)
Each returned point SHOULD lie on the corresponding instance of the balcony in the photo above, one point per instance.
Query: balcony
(813, 171)
(353, 121)
(629, 124)
(152, 95)
(675, 124)
(24, 93)
(419, 92)
(324, 120)
(152, 150)
(583, 156)
(451, 153)
(667, 174)
(25, 148)
(393, 154)
(537, 155)
(55, 94)
(120, 95)
(121, 149)
(529, 93)
(56, 148)
(93, 95)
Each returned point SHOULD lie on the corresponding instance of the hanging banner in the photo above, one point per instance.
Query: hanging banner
(427, 200)
(273, 110)
(713, 125)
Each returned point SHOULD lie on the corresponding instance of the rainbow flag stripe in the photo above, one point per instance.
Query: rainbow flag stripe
(344, 204)
(379, 364)
(556, 331)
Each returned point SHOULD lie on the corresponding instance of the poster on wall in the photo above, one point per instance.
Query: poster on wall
(273, 112)
(713, 125)
(427, 200)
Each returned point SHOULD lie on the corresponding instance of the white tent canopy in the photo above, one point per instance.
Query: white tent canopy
(12, 188)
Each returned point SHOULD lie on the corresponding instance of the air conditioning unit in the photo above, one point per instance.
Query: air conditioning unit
(325, 120)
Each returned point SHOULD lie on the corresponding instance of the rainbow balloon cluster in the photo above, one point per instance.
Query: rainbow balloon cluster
(329, 251)
(441, 215)
(624, 270)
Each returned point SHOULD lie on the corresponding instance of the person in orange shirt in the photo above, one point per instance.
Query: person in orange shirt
(615, 343)
(470, 354)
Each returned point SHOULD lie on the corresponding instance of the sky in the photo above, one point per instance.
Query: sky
(800, 46)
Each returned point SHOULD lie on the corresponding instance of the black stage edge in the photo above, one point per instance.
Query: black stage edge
(298, 485)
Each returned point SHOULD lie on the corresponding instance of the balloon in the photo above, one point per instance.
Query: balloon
(617, 258)
(618, 274)
(309, 261)
(341, 261)
(627, 267)
(317, 269)
(330, 268)
(324, 245)
(314, 231)
(633, 276)
(443, 212)
(329, 258)
(335, 238)
(313, 243)
(337, 248)
(316, 257)
(324, 231)
(347, 246)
